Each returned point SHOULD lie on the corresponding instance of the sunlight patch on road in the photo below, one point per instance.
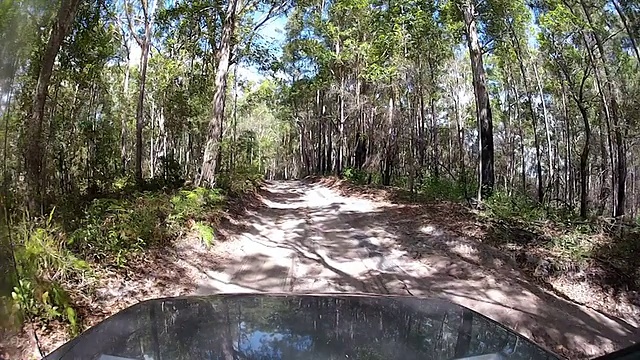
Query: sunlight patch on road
(466, 252)
(278, 205)
(358, 206)
(430, 230)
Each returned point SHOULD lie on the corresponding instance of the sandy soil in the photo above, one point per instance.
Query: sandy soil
(308, 238)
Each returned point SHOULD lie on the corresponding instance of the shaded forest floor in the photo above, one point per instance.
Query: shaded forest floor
(325, 235)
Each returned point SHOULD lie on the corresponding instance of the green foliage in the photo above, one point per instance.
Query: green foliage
(122, 183)
(42, 253)
(44, 302)
(504, 206)
(444, 189)
(172, 173)
(195, 204)
(23, 296)
(574, 246)
(111, 228)
(241, 180)
(358, 177)
(205, 232)
(109, 232)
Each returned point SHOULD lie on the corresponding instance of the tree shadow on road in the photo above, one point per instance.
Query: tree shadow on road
(427, 251)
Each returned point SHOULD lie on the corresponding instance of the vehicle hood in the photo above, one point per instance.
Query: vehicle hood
(332, 326)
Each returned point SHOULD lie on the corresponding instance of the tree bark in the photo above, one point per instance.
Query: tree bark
(547, 126)
(460, 130)
(567, 160)
(532, 113)
(35, 150)
(145, 44)
(140, 111)
(625, 23)
(483, 107)
(214, 133)
(434, 127)
(123, 124)
(342, 142)
(611, 109)
(584, 160)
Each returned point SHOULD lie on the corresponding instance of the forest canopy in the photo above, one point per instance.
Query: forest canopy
(529, 98)
(121, 114)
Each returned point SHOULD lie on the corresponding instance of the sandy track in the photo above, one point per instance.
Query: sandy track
(309, 238)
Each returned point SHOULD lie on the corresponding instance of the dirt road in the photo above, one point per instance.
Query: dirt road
(309, 238)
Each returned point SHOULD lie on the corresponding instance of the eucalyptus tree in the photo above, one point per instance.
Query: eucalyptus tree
(608, 48)
(234, 11)
(35, 151)
(482, 24)
(140, 18)
(562, 38)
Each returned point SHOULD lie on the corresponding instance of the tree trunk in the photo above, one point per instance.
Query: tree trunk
(234, 126)
(342, 142)
(434, 127)
(619, 174)
(460, 128)
(421, 132)
(547, 126)
(625, 23)
(388, 158)
(584, 160)
(214, 134)
(483, 106)
(621, 168)
(523, 163)
(145, 45)
(35, 152)
(140, 110)
(534, 121)
(123, 123)
(567, 160)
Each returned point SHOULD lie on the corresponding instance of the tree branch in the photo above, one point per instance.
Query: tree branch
(130, 22)
(271, 14)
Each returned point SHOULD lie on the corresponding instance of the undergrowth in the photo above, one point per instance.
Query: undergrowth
(439, 188)
(46, 267)
(61, 255)
(358, 177)
(242, 179)
(551, 229)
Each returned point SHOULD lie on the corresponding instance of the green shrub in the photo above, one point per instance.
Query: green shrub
(109, 231)
(205, 232)
(111, 228)
(122, 183)
(504, 206)
(355, 176)
(45, 302)
(41, 252)
(172, 173)
(44, 263)
(443, 189)
(195, 204)
(240, 180)
(574, 246)
(24, 297)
